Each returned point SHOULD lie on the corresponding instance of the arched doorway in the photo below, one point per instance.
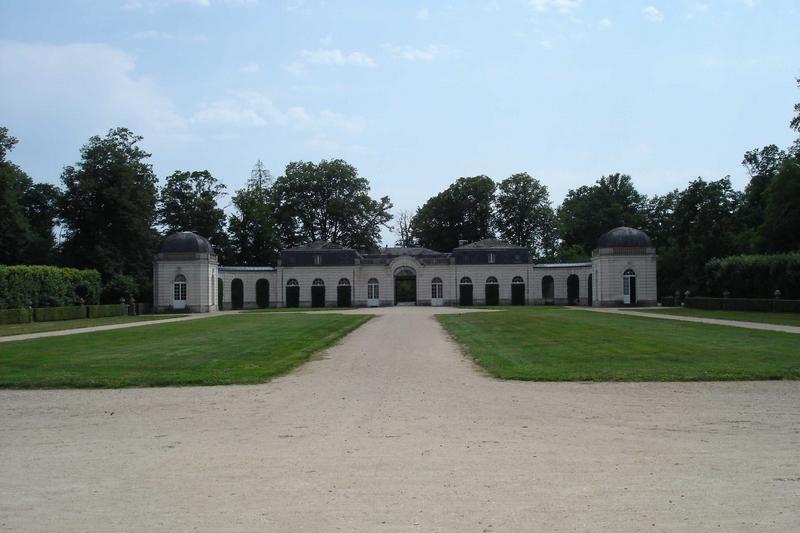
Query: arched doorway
(318, 293)
(437, 291)
(237, 294)
(590, 300)
(373, 293)
(179, 292)
(343, 293)
(629, 287)
(492, 291)
(405, 286)
(517, 291)
(262, 293)
(548, 290)
(292, 293)
(220, 293)
(465, 291)
(573, 290)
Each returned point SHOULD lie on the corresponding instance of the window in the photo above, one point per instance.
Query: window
(517, 279)
(318, 283)
(317, 259)
(466, 281)
(491, 257)
(180, 287)
(372, 289)
(436, 288)
(344, 282)
(292, 283)
(491, 280)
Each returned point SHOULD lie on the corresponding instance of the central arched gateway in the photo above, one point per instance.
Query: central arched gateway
(405, 285)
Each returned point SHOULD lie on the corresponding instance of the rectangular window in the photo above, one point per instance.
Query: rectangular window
(317, 259)
(491, 257)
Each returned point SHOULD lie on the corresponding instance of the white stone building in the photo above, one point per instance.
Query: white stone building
(187, 276)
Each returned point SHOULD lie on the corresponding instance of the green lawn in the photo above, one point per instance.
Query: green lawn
(572, 345)
(786, 319)
(244, 348)
(58, 325)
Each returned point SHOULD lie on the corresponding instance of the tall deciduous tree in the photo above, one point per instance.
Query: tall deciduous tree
(465, 210)
(589, 211)
(254, 233)
(329, 201)
(524, 214)
(109, 207)
(188, 201)
(781, 229)
(28, 212)
(404, 229)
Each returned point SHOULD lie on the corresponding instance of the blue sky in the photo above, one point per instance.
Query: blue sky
(414, 94)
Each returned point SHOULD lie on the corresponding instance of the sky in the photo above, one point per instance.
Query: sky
(413, 94)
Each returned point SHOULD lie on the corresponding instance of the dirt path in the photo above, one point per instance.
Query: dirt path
(718, 321)
(394, 430)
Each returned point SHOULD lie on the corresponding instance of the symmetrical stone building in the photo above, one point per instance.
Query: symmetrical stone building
(187, 276)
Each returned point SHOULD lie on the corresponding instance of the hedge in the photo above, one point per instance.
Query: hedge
(97, 311)
(49, 314)
(47, 286)
(14, 316)
(755, 276)
(773, 305)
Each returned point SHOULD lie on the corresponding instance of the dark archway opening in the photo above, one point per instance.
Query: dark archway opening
(344, 293)
(590, 299)
(318, 293)
(237, 294)
(548, 290)
(405, 286)
(517, 291)
(220, 293)
(292, 293)
(573, 290)
(465, 292)
(262, 293)
(492, 291)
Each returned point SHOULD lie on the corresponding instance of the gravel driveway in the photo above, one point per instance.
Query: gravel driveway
(395, 430)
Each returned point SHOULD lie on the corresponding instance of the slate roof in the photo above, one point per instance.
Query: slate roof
(489, 244)
(185, 242)
(624, 237)
(318, 245)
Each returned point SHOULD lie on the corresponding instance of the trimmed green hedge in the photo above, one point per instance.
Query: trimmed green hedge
(47, 286)
(97, 311)
(15, 316)
(764, 305)
(50, 314)
(755, 276)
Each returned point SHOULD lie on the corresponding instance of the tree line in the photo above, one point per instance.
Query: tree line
(111, 213)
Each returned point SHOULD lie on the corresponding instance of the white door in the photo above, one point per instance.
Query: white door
(179, 292)
(626, 290)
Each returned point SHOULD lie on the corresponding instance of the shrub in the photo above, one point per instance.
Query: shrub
(49, 314)
(97, 311)
(46, 286)
(755, 276)
(15, 316)
(764, 305)
(119, 286)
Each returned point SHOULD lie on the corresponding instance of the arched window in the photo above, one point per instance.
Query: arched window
(517, 279)
(318, 283)
(262, 293)
(292, 293)
(436, 288)
(344, 282)
(465, 281)
(517, 291)
(492, 291)
(179, 292)
(629, 287)
(373, 289)
(491, 280)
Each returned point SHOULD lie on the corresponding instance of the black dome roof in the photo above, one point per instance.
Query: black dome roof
(624, 237)
(185, 242)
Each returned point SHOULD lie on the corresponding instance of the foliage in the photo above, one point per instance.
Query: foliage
(51, 314)
(329, 201)
(546, 344)
(108, 207)
(188, 202)
(43, 286)
(781, 228)
(27, 212)
(248, 348)
(754, 276)
(760, 305)
(589, 211)
(254, 232)
(15, 316)
(524, 214)
(463, 211)
(405, 229)
(120, 286)
(98, 311)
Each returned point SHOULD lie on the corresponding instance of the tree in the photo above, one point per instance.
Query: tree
(762, 166)
(795, 125)
(589, 211)
(779, 233)
(463, 211)
(188, 202)
(329, 201)
(109, 207)
(524, 213)
(404, 229)
(28, 212)
(254, 232)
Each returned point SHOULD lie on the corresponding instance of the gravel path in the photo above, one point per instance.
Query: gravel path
(394, 430)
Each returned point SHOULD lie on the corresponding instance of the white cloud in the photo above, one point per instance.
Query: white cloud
(155, 35)
(334, 56)
(428, 53)
(565, 7)
(152, 5)
(653, 14)
(250, 68)
(605, 23)
(423, 14)
(83, 86)
(547, 44)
